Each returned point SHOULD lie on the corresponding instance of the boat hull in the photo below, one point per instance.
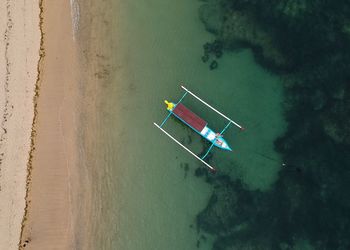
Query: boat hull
(206, 132)
(215, 138)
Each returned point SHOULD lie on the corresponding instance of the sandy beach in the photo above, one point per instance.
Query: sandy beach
(43, 190)
(38, 125)
(52, 204)
(19, 49)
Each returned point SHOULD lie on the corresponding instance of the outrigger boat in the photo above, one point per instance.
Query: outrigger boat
(198, 125)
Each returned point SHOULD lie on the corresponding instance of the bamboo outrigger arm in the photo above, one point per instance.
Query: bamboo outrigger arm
(171, 137)
(212, 108)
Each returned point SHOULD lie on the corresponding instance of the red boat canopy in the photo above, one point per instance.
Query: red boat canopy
(189, 117)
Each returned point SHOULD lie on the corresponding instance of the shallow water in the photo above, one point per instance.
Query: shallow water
(143, 196)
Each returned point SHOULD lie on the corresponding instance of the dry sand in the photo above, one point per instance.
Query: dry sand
(52, 199)
(19, 50)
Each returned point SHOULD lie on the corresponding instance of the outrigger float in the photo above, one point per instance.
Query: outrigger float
(197, 124)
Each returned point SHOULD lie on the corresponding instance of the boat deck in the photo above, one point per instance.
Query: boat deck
(189, 117)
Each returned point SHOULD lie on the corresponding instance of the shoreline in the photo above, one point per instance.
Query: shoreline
(55, 182)
(18, 67)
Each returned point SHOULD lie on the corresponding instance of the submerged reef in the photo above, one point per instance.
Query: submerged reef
(212, 49)
(307, 43)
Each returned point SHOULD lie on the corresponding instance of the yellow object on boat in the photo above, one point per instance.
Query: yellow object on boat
(170, 105)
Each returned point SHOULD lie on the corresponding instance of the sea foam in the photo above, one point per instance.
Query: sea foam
(74, 6)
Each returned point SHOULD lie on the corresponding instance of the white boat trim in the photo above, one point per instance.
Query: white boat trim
(212, 108)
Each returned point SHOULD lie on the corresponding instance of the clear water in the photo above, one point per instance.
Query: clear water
(143, 197)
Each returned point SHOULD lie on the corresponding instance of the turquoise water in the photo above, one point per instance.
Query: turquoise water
(143, 196)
